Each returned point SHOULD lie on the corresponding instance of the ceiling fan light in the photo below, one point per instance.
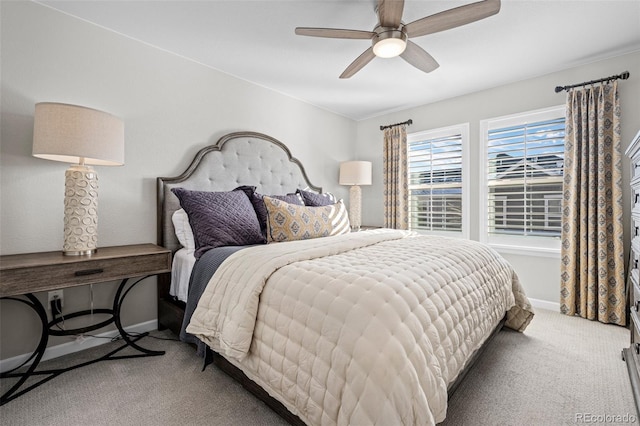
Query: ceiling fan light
(389, 43)
(389, 47)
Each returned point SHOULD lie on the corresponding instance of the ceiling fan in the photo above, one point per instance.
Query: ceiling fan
(390, 38)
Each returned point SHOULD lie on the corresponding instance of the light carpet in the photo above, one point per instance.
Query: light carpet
(561, 371)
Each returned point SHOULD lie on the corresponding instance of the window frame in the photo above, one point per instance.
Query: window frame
(516, 244)
(463, 130)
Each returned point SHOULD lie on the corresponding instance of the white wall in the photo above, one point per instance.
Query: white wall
(540, 275)
(171, 107)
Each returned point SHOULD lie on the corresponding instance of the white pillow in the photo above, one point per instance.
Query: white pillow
(183, 230)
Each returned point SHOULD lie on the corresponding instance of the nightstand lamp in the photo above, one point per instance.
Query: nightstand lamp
(84, 137)
(355, 173)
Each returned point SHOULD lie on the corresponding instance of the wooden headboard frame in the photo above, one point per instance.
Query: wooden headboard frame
(240, 158)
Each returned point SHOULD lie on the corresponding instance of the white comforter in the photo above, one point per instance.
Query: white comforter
(359, 329)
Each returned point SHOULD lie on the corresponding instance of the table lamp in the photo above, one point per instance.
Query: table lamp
(355, 173)
(83, 137)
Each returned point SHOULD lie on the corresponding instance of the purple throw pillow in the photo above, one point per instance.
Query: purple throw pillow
(313, 199)
(220, 219)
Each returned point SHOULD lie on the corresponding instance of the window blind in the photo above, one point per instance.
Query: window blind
(435, 183)
(525, 169)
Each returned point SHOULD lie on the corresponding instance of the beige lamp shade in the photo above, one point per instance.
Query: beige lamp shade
(355, 173)
(76, 134)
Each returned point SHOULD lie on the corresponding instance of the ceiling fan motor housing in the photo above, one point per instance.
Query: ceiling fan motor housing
(389, 42)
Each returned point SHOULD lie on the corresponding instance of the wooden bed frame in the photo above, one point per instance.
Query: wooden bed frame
(171, 311)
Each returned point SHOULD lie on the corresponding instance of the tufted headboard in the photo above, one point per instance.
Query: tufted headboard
(240, 158)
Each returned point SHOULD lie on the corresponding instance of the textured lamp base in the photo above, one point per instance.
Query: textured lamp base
(355, 203)
(80, 211)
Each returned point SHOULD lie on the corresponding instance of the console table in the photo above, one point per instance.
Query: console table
(21, 275)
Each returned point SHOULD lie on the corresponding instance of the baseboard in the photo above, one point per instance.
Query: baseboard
(77, 345)
(545, 304)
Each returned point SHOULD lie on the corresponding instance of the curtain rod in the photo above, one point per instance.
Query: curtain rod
(625, 75)
(408, 123)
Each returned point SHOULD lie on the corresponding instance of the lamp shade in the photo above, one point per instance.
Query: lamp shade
(355, 173)
(76, 134)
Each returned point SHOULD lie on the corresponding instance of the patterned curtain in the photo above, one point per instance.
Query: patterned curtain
(396, 186)
(592, 267)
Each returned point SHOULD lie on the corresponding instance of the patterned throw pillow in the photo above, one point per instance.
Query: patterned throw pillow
(258, 204)
(220, 219)
(316, 200)
(289, 222)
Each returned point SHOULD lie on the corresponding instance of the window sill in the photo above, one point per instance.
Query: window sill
(452, 234)
(526, 251)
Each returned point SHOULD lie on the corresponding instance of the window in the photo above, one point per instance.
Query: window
(553, 212)
(523, 169)
(500, 209)
(437, 180)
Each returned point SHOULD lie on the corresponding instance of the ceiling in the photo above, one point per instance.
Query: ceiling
(255, 41)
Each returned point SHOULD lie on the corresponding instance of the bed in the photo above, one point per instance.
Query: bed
(331, 327)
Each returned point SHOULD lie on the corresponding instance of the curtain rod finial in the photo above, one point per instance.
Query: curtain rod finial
(559, 89)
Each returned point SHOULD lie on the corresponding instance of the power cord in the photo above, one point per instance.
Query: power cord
(56, 309)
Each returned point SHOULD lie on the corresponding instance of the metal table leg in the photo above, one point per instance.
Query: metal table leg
(36, 356)
(47, 330)
(117, 304)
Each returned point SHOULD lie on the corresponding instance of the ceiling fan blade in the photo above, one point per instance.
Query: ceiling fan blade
(359, 63)
(390, 12)
(334, 33)
(417, 57)
(452, 18)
